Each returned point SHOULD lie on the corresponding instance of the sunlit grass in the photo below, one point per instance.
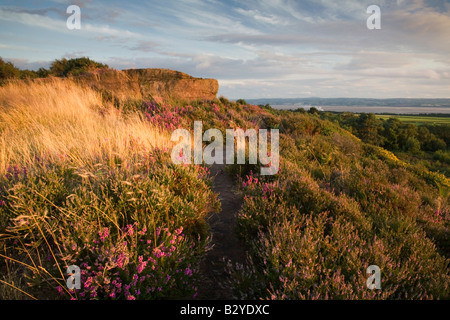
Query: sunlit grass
(419, 119)
(73, 166)
(57, 120)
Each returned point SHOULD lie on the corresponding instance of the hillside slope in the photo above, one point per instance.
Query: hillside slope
(336, 206)
(88, 182)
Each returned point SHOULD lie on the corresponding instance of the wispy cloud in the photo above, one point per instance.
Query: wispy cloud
(278, 48)
(39, 19)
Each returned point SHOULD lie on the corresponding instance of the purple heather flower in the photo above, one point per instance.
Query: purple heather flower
(104, 234)
(130, 230)
(60, 290)
(188, 272)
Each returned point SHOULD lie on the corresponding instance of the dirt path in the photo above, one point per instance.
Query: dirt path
(226, 245)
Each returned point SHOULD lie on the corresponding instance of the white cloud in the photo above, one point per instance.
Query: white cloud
(59, 25)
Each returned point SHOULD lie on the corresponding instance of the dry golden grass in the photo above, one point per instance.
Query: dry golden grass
(58, 119)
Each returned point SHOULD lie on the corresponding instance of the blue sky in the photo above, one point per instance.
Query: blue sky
(256, 49)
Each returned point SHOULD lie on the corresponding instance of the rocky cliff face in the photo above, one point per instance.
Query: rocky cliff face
(151, 83)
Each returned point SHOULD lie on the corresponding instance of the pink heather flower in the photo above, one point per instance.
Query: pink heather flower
(141, 266)
(144, 230)
(88, 283)
(157, 252)
(130, 230)
(188, 272)
(121, 260)
(131, 297)
(112, 295)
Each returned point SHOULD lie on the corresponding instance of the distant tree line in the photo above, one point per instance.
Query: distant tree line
(392, 134)
(58, 68)
(424, 144)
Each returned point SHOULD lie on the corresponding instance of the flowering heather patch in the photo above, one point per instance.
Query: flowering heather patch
(312, 230)
(16, 172)
(316, 245)
(135, 227)
(165, 116)
(131, 266)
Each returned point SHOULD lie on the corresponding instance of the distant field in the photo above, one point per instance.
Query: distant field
(419, 119)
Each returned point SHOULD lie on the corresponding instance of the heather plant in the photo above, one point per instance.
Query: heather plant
(314, 228)
(133, 263)
(166, 116)
(310, 244)
(116, 206)
(62, 209)
(337, 206)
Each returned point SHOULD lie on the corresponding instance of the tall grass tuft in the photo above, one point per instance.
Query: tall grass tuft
(57, 119)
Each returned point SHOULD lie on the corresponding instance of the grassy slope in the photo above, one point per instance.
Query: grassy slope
(418, 119)
(336, 206)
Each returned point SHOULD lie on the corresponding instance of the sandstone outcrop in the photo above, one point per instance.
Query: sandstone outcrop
(151, 83)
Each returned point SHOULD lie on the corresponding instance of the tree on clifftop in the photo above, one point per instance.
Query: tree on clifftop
(74, 67)
(8, 71)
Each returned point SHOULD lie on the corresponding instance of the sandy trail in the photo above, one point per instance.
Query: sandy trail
(226, 245)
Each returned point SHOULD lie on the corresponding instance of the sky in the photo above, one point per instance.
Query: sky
(254, 48)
